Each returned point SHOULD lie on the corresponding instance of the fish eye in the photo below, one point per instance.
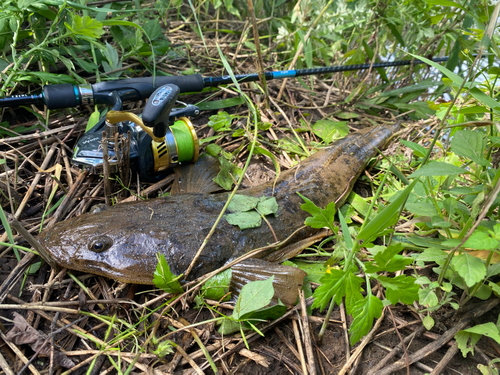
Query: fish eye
(100, 243)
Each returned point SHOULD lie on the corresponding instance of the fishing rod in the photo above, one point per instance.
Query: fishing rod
(163, 136)
(68, 95)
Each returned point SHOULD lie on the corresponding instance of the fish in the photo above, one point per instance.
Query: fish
(122, 242)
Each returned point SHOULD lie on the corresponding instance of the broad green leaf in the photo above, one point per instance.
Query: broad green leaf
(385, 255)
(480, 240)
(241, 203)
(427, 297)
(470, 268)
(269, 312)
(466, 341)
(428, 322)
(445, 3)
(85, 26)
(470, 144)
(359, 204)
(437, 168)
(244, 220)
(320, 218)
(364, 311)
(385, 218)
(336, 284)
(213, 150)
(487, 329)
(164, 278)
(400, 289)
(329, 130)
(254, 296)
(267, 206)
(217, 286)
(432, 254)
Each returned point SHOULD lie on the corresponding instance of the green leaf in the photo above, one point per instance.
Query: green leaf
(164, 348)
(432, 254)
(262, 151)
(85, 26)
(470, 268)
(229, 174)
(428, 322)
(320, 217)
(242, 203)
(421, 208)
(364, 311)
(220, 121)
(474, 334)
(385, 218)
(213, 150)
(384, 256)
(220, 104)
(480, 240)
(218, 286)
(336, 284)
(315, 271)
(267, 206)
(93, 119)
(254, 296)
(427, 297)
(244, 220)
(329, 130)
(437, 168)
(164, 279)
(418, 150)
(400, 289)
(470, 144)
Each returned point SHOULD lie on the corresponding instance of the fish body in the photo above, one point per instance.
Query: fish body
(122, 241)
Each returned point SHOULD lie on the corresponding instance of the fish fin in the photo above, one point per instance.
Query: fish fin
(197, 177)
(296, 248)
(287, 280)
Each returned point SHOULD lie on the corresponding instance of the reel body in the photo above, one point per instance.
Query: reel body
(159, 141)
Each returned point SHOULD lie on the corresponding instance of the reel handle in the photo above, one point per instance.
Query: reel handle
(157, 110)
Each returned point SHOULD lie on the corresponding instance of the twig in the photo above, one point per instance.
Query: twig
(307, 334)
(299, 347)
(401, 340)
(5, 366)
(443, 363)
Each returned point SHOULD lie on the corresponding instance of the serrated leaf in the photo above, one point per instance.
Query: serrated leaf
(267, 206)
(487, 329)
(242, 203)
(254, 296)
(432, 254)
(320, 218)
(315, 271)
(244, 220)
(470, 144)
(384, 256)
(364, 311)
(220, 121)
(164, 278)
(400, 289)
(85, 26)
(470, 268)
(336, 284)
(437, 168)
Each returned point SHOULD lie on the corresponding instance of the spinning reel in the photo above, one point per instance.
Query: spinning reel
(160, 140)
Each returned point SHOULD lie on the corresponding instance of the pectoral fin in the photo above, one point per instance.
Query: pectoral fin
(287, 280)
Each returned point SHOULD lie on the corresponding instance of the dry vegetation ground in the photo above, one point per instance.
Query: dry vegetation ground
(53, 303)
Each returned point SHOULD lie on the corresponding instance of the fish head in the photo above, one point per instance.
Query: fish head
(113, 245)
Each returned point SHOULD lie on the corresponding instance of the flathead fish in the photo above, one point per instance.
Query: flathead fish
(122, 242)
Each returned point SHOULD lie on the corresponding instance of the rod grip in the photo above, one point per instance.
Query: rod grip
(60, 96)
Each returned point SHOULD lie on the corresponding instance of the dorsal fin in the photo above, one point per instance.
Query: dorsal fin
(197, 177)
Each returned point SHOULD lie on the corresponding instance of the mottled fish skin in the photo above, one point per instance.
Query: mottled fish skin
(133, 233)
